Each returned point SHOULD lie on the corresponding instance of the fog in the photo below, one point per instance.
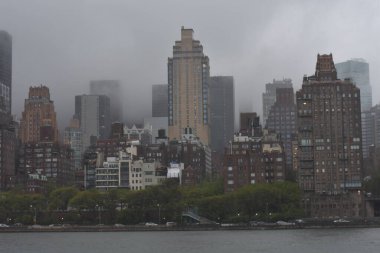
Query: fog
(65, 44)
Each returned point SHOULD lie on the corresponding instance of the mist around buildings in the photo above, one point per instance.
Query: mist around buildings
(192, 146)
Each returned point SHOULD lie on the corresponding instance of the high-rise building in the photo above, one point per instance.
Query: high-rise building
(39, 120)
(358, 71)
(188, 78)
(160, 100)
(73, 138)
(112, 89)
(282, 119)
(330, 146)
(222, 111)
(5, 74)
(93, 112)
(7, 126)
(269, 97)
(371, 131)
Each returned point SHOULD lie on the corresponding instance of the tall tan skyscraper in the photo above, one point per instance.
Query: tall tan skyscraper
(188, 77)
(39, 120)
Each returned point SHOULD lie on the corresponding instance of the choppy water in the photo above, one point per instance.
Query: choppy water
(285, 241)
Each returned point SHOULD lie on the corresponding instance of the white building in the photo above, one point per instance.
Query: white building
(145, 174)
(113, 173)
(175, 171)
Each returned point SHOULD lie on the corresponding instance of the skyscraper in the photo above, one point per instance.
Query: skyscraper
(112, 89)
(39, 120)
(329, 138)
(160, 100)
(93, 112)
(222, 111)
(73, 138)
(358, 71)
(5, 74)
(7, 127)
(188, 77)
(269, 97)
(282, 119)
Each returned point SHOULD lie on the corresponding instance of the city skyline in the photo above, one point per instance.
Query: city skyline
(254, 49)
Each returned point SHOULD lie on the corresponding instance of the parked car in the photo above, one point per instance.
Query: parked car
(150, 224)
(284, 223)
(171, 224)
(341, 221)
(2, 225)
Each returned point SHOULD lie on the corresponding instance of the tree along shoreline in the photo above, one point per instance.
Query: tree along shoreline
(158, 204)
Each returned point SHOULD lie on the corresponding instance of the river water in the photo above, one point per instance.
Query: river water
(268, 241)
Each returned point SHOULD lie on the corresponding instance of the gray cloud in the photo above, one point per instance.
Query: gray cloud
(65, 44)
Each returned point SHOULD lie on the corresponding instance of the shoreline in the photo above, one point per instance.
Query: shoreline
(163, 228)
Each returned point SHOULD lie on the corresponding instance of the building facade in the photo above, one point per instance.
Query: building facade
(358, 71)
(39, 118)
(160, 100)
(222, 111)
(73, 138)
(7, 156)
(282, 119)
(7, 126)
(269, 97)
(251, 160)
(5, 73)
(329, 139)
(111, 89)
(250, 124)
(188, 79)
(93, 112)
(113, 173)
(49, 159)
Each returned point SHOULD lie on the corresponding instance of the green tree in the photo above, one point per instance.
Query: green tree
(59, 198)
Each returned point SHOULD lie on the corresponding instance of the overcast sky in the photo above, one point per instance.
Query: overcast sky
(65, 44)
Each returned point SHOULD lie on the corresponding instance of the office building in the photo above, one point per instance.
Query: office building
(7, 126)
(160, 100)
(73, 138)
(39, 119)
(111, 89)
(269, 97)
(5, 73)
(188, 79)
(222, 111)
(330, 146)
(93, 113)
(282, 119)
(358, 71)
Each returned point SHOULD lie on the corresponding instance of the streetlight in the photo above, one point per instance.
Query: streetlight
(35, 214)
(159, 213)
(99, 214)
